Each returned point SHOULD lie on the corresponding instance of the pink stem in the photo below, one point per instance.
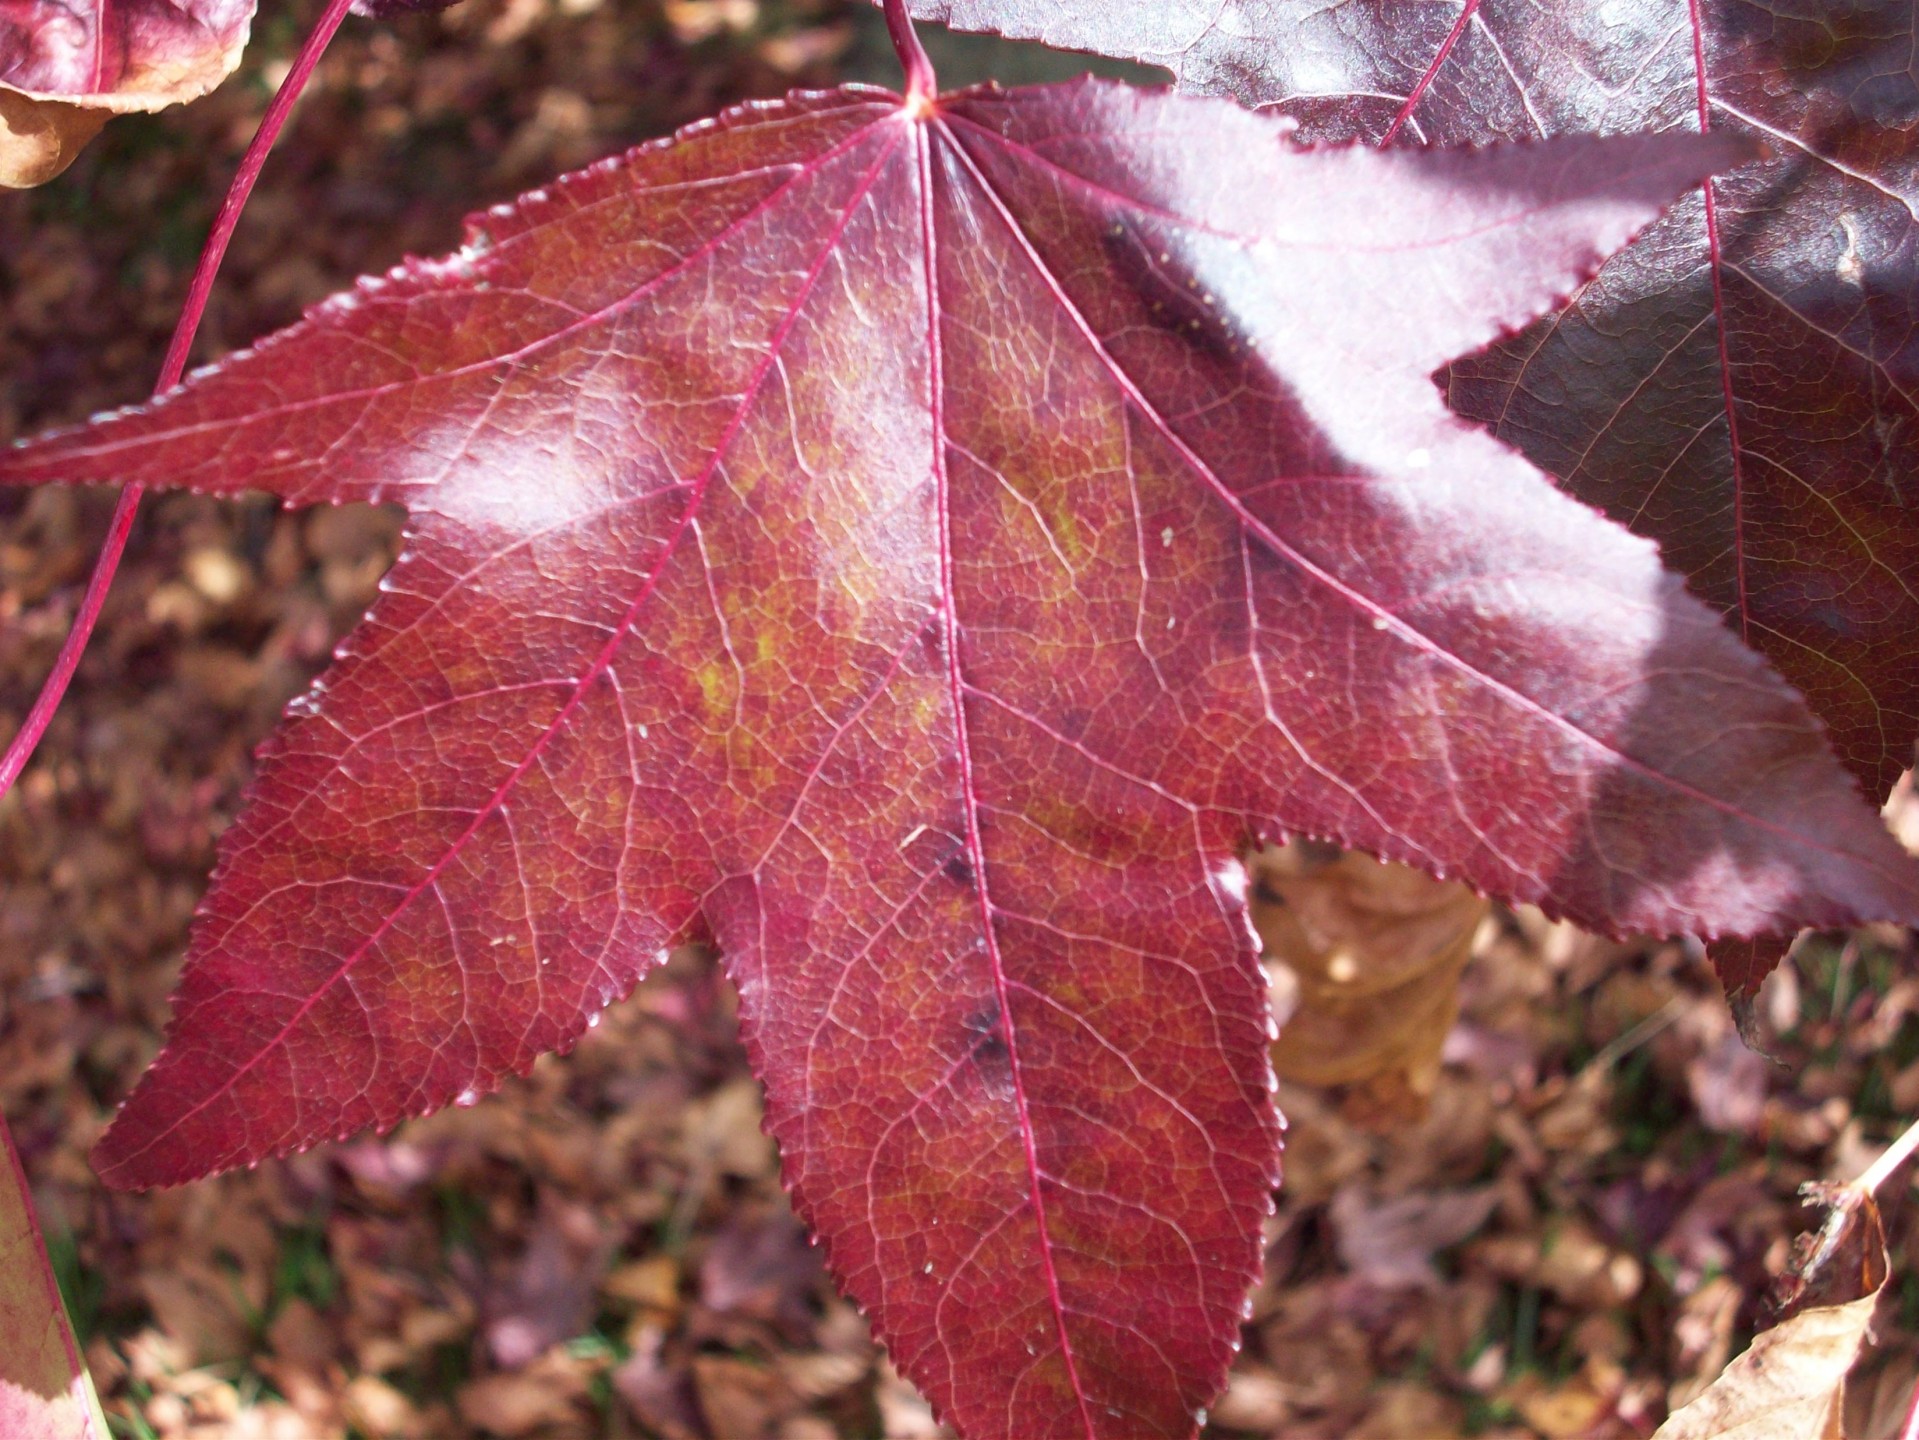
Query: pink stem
(171, 369)
(920, 84)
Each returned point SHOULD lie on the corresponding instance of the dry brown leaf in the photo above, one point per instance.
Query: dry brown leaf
(1255, 1400)
(194, 1302)
(658, 1394)
(548, 1295)
(39, 137)
(761, 1266)
(1317, 1350)
(520, 1402)
(1702, 1338)
(738, 1398)
(1404, 1410)
(649, 1284)
(1557, 1410)
(1374, 952)
(1790, 1383)
(722, 1133)
(1391, 1242)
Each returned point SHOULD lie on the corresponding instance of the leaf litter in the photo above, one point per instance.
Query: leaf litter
(1626, 1255)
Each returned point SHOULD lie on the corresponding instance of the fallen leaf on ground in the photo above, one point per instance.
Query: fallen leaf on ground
(1375, 951)
(1392, 1241)
(552, 1390)
(1791, 1382)
(549, 1295)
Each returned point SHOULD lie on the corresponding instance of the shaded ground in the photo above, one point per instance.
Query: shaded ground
(1577, 1236)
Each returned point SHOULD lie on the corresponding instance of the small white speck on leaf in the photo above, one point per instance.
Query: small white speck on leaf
(1166, 537)
(1849, 269)
(1229, 876)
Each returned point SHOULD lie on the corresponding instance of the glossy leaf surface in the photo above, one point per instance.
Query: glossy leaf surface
(1743, 385)
(916, 548)
(66, 65)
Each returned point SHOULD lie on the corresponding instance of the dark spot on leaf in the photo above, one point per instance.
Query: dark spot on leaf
(989, 1045)
(1177, 299)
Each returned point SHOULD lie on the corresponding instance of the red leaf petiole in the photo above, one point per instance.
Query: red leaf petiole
(921, 87)
(21, 749)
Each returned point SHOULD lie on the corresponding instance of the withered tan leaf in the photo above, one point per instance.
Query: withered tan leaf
(40, 137)
(1376, 951)
(1790, 1383)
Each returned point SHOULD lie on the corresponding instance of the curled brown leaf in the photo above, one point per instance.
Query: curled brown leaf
(1791, 1382)
(1373, 952)
(66, 67)
(1793, 1379)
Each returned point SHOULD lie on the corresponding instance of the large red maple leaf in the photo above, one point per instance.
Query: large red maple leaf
(916, 546)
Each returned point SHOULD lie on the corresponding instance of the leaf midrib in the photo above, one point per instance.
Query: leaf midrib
(974, 841)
